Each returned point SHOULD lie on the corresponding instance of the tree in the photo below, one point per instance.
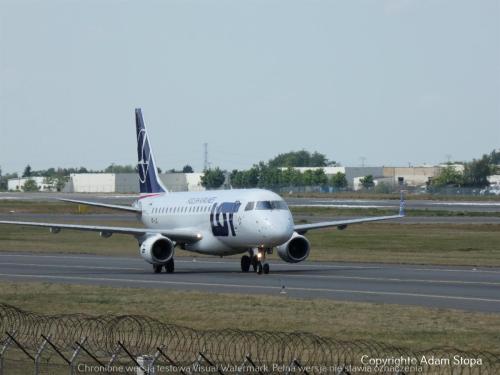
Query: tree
(367, 182)
(477, 171)
(115, 168)
(187, 169)
(301, 158)
(495, 157)
(212, 178)
(339, 180)
(30, 185)
(27, 171)
(383, 188)
(236, 178)
(448, 176)
(49, 181)
(308, 177)
(60, 182)
(319, 177)
(293, 177)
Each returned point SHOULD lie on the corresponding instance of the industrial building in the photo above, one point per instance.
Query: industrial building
(129, 182)
(17, 184)
(412, 176)
(102, 183)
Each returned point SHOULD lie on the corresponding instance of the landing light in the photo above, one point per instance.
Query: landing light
(259, 255)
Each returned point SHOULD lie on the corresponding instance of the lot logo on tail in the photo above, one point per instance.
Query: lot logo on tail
(144, 155)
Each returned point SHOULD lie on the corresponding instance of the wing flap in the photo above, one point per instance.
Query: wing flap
(179, 235)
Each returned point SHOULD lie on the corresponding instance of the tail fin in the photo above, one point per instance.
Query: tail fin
(148, 174)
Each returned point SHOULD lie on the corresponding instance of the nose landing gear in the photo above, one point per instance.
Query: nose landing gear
(245, 263)
(257, 260)
(169, 267)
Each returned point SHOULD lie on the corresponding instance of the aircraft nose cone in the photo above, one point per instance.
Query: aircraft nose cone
(278, 231)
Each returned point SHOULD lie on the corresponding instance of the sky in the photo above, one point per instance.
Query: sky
(384, 82)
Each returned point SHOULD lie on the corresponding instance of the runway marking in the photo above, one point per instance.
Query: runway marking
(198, 260)
(460, 282)
(430, 281)
(339, 205)
(267, 287)
(313, 266)
(70, 266)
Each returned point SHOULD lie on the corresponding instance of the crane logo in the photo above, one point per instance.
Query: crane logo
(145, 155)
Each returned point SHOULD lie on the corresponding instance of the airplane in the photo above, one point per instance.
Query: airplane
(252, 222)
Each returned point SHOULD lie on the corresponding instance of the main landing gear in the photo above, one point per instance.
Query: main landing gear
(257, 260)
(169, 267)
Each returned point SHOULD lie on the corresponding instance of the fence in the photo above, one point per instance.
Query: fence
(120, 344)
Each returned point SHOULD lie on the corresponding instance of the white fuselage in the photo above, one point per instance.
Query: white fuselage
(230, 221)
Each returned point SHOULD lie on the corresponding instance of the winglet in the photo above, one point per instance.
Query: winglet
(402, 203)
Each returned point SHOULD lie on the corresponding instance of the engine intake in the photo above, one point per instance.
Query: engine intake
(295, 250)
(157, 249)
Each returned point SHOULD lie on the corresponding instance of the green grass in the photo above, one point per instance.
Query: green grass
(456, 244)
(406, 326)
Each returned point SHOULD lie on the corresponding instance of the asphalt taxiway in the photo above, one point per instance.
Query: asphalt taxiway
(474, 289)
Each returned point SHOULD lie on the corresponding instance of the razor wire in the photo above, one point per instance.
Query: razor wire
(142, 335)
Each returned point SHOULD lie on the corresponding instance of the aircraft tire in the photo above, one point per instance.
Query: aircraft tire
(157, 268)
(169, 266)
(245, 263)
(265, 268)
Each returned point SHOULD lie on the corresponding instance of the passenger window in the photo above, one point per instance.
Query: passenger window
(249, 206)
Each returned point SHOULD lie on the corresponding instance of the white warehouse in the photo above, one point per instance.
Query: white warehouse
(129, 182)
(17, 184)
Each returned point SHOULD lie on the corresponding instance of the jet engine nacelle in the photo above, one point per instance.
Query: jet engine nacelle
(157, 249)
(295, 250)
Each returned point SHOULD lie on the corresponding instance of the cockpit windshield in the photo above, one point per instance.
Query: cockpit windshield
(271, 205)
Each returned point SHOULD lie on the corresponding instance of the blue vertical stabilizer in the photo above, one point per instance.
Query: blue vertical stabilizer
(148, 174)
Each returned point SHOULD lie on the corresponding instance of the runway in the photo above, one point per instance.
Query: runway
(463, 288)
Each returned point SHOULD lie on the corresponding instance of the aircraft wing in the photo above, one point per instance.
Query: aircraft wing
(178, 235)
(342, 224)
(105, 205)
